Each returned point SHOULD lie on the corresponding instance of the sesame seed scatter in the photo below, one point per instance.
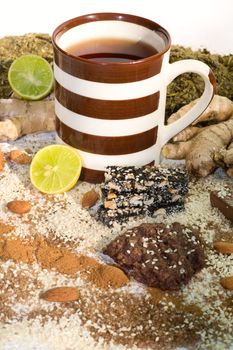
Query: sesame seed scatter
(199, 316)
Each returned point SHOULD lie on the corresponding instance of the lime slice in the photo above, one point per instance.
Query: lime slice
(55, 169)
(31, 77)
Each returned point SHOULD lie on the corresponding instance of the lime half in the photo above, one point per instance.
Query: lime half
(31, 77)
(55, 169)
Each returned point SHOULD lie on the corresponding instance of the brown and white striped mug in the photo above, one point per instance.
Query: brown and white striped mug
(113, 112)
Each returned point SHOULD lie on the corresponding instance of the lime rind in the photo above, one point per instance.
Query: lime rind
(55, 169)
(31, 77)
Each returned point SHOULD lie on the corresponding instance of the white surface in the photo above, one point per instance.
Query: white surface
(199, 23)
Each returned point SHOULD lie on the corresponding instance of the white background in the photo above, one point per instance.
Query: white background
(195, 23)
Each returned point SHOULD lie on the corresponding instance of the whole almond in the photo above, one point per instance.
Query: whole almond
(227, 282)
(20, 157)
(89, 199)
(19, 207)
(5, 228)
(2, 160)
(224, 247)
(61, 294)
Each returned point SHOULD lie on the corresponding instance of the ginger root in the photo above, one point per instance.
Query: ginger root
(187, 134)
(220, 109)
(177, 150)
(228, 155)
(200, 158)
(230, 172)
(211, 145)
(19, 117)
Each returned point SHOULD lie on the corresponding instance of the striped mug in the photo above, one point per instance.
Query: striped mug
(113, 112)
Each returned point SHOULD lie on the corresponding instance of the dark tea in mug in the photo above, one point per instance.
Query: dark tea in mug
(112, 50)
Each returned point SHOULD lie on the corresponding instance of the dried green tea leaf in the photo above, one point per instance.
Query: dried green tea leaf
(11, 47)
(189, 86)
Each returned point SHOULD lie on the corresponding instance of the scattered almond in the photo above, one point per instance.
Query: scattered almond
(20, 157)
(224, 247)
(5, 228)
(227, 282)
(28, 150)
(61, 294)
(19, 207)
(89, 199)
(2, 160)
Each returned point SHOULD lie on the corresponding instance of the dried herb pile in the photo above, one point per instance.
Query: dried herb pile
(181, 91)
(189, 86)
(12, 47)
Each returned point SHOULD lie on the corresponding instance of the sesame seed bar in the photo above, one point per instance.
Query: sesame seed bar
(135, 191)
(143, 179)
(120, 215)
(113, 200)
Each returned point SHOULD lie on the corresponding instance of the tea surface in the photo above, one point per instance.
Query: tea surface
(112, 50)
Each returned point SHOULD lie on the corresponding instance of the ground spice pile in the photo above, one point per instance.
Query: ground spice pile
(62, 260)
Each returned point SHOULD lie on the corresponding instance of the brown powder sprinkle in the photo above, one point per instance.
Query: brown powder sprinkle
(5, 228)
(108, 276)
(143, 320)
(16, 250)
(2, 160)
(62, 260)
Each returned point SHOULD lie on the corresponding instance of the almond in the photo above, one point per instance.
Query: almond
(227, 282)
(2, 160)
(20, 157)
(224, 247)
(89, 199)
(19, 207)
(61, 294)
(5, 228)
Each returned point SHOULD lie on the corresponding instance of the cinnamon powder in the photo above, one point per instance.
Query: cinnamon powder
(2, 160)
(62, 260)
(5, 228)
(16, 250)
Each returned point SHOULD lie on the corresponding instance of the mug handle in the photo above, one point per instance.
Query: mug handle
(187, 66)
